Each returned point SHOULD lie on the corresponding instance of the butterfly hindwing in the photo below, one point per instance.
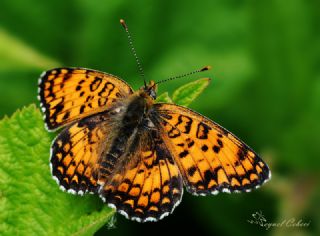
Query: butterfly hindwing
(149, 186)
(76, 154)
(69, 94)
(210, 158)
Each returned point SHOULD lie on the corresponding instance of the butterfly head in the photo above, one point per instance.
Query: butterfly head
(149, 90)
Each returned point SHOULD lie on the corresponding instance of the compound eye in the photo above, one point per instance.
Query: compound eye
(153, 94)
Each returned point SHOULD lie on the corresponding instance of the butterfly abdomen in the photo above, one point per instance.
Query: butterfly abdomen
(123, 138)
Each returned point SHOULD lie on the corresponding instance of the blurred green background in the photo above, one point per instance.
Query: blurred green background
(265, 88)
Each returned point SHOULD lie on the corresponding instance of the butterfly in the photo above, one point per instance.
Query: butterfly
(135, 153)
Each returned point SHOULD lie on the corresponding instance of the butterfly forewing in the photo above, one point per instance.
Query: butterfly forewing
(69, 94)
(210, 158)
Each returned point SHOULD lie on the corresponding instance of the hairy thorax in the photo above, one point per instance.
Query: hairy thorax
(130, 118)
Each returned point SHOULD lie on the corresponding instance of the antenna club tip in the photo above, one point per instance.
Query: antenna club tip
(206, 68)
(123, 23)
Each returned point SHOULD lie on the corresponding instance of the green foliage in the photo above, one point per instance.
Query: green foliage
(188, 92)
(14, 53)
(164, 97)
(30, 200)
(185, 94)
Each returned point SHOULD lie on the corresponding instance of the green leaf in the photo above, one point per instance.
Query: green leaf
(164, 97)
(188, 92)
(31, 202)
(16, 53)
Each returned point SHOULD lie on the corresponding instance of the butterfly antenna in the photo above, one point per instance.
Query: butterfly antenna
(184, 75)
(123, 23)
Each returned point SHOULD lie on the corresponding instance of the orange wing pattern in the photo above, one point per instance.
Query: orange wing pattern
(76, 155)
(135, 154)
(148, 187)
(69, 94)
(210, 158)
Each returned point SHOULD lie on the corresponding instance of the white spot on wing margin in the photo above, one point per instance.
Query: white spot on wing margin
(43, 109)
(122, 212)
(43, 74)
(136, 219)
(225, 190)
(72, 191)
(148, 219)
(214, 192)
(164, 215)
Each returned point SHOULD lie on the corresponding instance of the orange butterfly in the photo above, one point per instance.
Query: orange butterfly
(135, 153)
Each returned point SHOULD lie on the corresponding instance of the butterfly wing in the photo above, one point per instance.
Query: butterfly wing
(69, 94)
(76, 153)
(149, 185)
(210, 158)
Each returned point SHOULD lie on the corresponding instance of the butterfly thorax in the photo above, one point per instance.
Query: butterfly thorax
(131, 116)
